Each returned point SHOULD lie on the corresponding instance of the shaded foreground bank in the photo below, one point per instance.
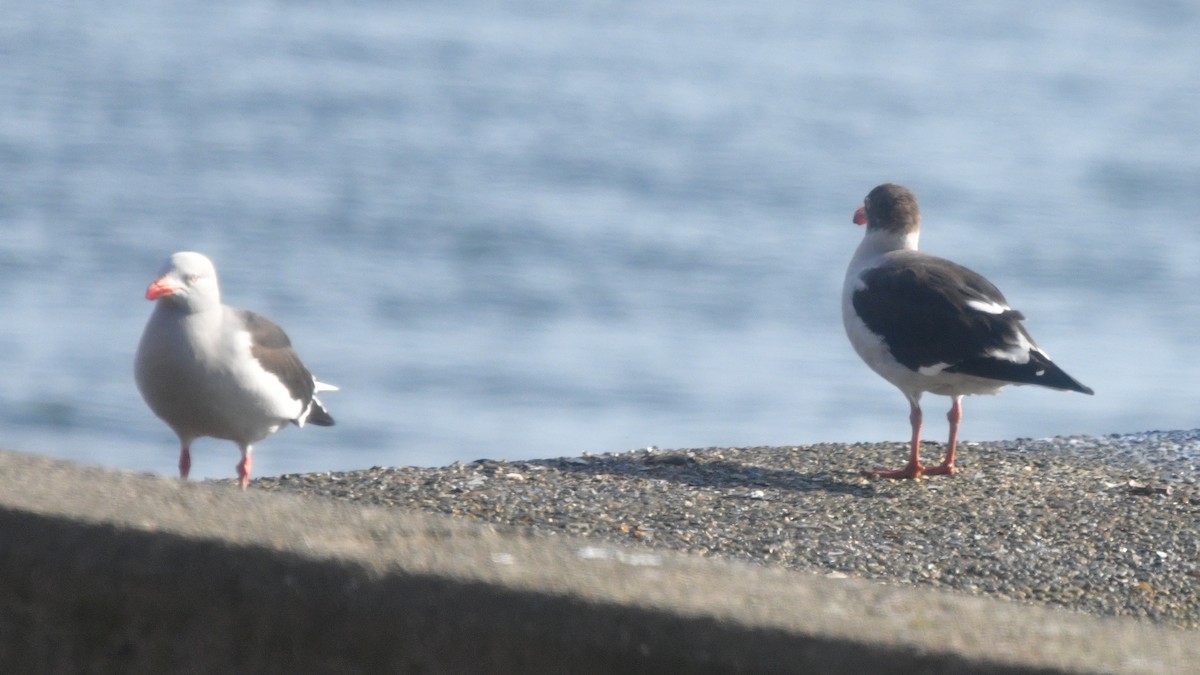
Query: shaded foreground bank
(108, 571)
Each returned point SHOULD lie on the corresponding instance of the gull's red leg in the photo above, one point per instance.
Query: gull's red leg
(947, 467)
(914, 468)
(185, 461)
(243, 468)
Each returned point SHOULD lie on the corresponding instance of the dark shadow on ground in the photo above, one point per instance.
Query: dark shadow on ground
(682, 467)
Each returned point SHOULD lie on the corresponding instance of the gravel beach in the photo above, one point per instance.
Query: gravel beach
(1106, 525)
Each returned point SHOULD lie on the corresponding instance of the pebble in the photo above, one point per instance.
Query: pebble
(1106, 525)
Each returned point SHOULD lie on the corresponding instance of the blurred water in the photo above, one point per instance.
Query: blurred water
(541, 228)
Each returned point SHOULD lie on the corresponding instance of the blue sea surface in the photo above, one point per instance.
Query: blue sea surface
(533, 229)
